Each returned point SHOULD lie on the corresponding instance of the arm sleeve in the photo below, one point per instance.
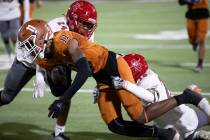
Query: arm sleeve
(83, 71)
(139, 91)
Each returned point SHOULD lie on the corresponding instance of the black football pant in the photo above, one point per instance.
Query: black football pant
(16, 79)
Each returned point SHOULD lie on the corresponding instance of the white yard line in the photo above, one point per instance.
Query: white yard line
(193, 64)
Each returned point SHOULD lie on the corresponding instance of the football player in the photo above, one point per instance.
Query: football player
(149, 88)
(197, 24)
(79, 21)
(27, 8)
(23, 70)
(9, 25)
(39, 45)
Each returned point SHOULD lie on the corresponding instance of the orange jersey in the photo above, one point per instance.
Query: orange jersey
(94, 53)
(199, 5)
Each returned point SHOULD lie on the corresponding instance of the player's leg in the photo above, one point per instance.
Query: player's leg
(191, 26)
(14, 27)
(203, 120)
(32, 8)
(59, 80)
(110, 109)
(17, 77)
(4, 30)
(201, 38)
(21, 8)
(135, 108)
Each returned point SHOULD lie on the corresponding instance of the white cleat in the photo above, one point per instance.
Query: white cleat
(198, 69)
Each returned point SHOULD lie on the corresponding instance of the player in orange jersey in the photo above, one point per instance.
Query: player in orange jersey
(197, 27)
(27, 8)
(76, 20)
(49, 50)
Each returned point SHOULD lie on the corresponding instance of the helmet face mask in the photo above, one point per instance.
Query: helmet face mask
(85, 27)
(30, 49)
(82, 18)
(87, 24)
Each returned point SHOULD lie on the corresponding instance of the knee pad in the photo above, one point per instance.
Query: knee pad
(60, 75)
(5, 98)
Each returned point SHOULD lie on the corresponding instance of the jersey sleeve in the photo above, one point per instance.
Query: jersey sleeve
(61, 42)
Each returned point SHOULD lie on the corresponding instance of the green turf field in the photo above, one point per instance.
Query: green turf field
(118, 22)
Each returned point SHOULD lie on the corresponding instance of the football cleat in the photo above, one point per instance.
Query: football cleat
(198, 69)
(202, 135)
(61, 136)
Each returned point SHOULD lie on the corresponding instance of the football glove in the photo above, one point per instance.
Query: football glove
(117, 82)
(57, 108)
(95, 95)
(38, 89)
(39, 84)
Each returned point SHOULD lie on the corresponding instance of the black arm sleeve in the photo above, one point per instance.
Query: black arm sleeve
(83, 71)
(182, 2)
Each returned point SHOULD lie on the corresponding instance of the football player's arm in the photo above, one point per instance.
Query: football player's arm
(83, 70)
(140, 92)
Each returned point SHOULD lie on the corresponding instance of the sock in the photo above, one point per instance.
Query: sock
(59, 129)
(204, 105)
(180, 99)
(200, 62)
(164, 134)
(188, 97)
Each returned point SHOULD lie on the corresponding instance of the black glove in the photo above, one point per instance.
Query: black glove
(57, 108)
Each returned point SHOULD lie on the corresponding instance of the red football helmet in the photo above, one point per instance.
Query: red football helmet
(138, 65)
(82, 13)
(32, 39)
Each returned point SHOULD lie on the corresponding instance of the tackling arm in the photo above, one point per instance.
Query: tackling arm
(140, 92)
